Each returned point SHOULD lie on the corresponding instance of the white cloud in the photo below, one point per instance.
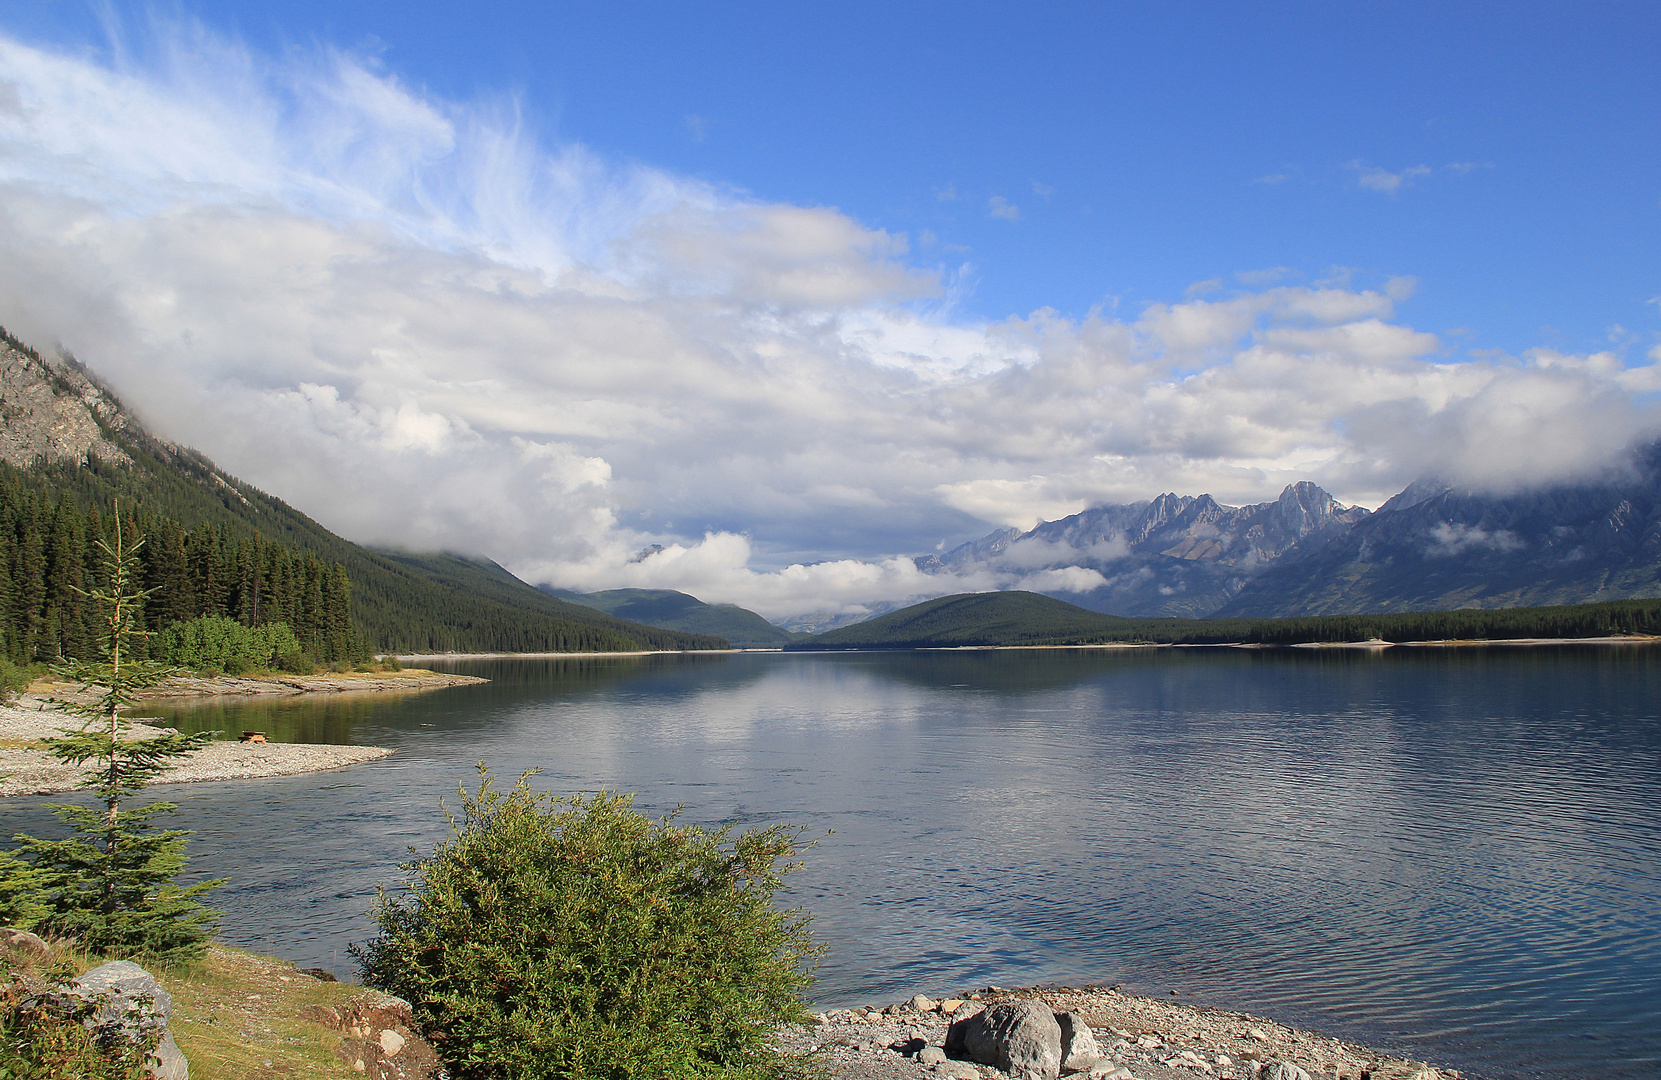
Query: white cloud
(999, 207)
(1450, 539)
(416, 321)
(1376, 179)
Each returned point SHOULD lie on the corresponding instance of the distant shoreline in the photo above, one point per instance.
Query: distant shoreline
(808, 648)
(417, 658)
(1646, 639)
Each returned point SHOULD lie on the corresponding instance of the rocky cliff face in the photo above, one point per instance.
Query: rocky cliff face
(53, 411)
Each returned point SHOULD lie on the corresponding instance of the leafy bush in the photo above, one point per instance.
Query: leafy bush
(216, 643)
(575, 937)
(296, 661)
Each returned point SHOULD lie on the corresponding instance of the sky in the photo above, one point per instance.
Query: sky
(799, 291)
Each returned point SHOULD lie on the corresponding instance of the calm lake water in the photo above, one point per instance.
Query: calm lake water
(1453, 854)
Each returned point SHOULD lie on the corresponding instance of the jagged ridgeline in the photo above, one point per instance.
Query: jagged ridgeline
(69, 450)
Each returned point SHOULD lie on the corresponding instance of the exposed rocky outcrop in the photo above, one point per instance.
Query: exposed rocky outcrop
(379, 1038)
(53, 412)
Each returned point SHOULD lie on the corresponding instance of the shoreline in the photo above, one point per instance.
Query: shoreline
(190, 687)
(1450, 643)
(1139, 1037)
(416, 658)
(1646, 639)
(26, 769)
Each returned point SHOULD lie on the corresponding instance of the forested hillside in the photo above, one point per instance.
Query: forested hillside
(1027, 619)
(55, 558)
(678, 611)
(398, 603)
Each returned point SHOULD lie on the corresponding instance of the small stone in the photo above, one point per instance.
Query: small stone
(1108, 1070)
(1222, 1061)
(1078, 1043)
(391, 1042)
(923, 1003)
(931, 1055)
(22, 943)
(951, 1005)
(1256, 1033)
(1282, 1070)
(1150, 1042)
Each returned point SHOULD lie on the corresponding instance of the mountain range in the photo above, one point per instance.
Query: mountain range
(1434, 546)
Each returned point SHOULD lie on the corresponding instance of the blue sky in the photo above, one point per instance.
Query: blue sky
(1144, 148)
(829, 285)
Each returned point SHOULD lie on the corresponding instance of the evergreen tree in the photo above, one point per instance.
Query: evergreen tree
(111, 886)
(29, 579)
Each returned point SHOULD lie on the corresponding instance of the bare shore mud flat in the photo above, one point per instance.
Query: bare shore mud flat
(1139, 1038)
(25, 769)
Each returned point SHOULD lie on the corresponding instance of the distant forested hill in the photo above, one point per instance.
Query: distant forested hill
(677, 611)
(1030, 619)
(67, 438)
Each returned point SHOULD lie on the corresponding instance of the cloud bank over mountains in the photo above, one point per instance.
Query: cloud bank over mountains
(428, 325)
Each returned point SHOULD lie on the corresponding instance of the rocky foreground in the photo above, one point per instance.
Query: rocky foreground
(1089, 1033)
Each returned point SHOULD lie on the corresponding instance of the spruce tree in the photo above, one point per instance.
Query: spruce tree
(111, 885)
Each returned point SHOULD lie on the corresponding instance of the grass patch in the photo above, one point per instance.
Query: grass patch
(238, 1017)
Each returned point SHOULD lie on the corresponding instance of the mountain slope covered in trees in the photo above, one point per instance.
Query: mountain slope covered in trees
(1014, 618)
(399, 603)
(677, 611)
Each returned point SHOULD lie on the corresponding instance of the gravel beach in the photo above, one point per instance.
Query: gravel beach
(1144, 1038)
(25, 769)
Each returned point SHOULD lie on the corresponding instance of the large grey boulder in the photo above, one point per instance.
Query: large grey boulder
(1078, 1042)
(130, 998)
(1020, 1037)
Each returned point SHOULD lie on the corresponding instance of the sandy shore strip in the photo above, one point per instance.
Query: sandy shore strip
(27, 770)
(410, 680)
(1138, 1038)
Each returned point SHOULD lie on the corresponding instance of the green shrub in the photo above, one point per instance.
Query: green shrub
(296, 661)
(575, 937)
(13, 679)
(216, 643)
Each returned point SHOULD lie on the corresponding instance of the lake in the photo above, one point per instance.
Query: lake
(1451, 854)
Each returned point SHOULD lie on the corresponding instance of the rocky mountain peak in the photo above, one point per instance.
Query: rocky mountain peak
(53, 410)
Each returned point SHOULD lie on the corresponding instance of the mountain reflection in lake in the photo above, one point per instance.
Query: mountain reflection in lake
(1450, 853)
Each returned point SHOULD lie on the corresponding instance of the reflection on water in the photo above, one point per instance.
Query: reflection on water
(1450, 853)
